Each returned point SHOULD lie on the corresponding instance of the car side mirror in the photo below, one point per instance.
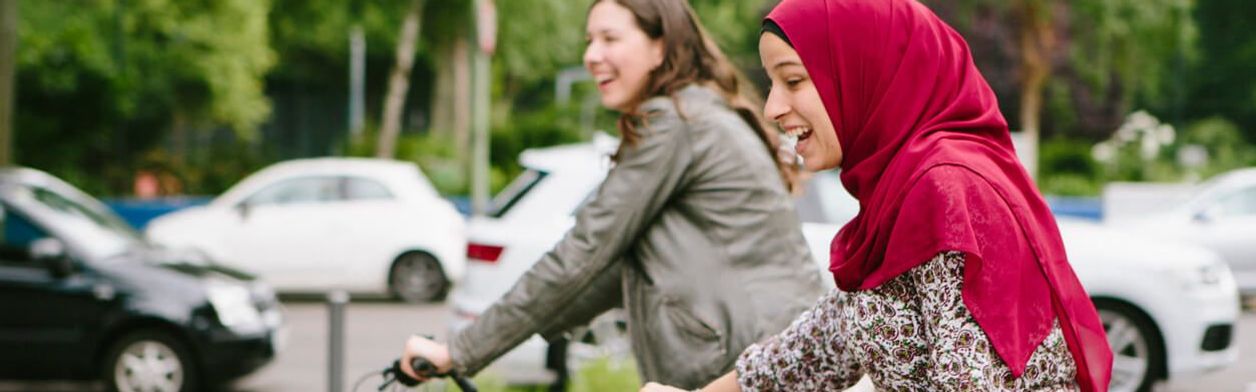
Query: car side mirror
(51, 252)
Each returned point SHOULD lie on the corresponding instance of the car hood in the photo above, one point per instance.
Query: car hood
(168, 271)
(1091, 243)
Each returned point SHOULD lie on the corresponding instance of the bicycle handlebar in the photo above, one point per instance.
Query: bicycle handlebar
(427, 370)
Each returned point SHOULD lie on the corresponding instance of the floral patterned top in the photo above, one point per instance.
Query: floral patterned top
(913, 333)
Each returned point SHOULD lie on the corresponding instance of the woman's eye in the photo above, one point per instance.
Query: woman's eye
(793, 82)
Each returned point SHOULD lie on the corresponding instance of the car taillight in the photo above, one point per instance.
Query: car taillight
(483, 253)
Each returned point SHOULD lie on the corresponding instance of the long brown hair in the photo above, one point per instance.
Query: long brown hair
(690, 56)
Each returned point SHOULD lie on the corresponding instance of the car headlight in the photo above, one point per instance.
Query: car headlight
(1212, 274)
(267, 303)
(234, 306)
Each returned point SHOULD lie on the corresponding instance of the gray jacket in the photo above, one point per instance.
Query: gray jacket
(692, 232)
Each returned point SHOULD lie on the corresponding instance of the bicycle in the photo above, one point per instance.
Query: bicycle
(393, 375)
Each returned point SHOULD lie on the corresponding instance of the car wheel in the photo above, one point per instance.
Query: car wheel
(1136, 349)
(150, 361)
(418, 277)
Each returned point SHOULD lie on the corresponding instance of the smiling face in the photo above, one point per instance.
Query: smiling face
(619, 55)
(794, 104)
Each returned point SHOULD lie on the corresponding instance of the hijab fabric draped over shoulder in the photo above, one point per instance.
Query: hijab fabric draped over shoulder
(930, 159)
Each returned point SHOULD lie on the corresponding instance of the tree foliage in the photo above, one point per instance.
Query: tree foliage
(1223, 83)
(1108, 56)
(102, 81)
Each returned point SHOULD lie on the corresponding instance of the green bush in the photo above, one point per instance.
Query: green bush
(1221, 138)
(1068, 169)
(548, 126)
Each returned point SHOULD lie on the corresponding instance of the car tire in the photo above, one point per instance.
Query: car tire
(1137, 348)
(418, 277)
(150, 360)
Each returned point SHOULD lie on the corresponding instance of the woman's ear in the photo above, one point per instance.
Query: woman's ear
(658, 49)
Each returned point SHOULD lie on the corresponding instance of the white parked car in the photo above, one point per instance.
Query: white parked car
(1219, 214)
(1169, 309)
(362, 225)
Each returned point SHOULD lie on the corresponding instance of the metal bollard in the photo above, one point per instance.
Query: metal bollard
(336, 301)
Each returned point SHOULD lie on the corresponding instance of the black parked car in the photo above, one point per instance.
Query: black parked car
(82, 296)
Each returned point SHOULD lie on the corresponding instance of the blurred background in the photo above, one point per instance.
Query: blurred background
(162, 109)
(201, 93)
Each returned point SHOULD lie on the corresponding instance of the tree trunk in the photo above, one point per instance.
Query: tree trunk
(462, 96)
(1037, 42)
(399, 82)
(442, 91)
(8, 79)
(451, 100)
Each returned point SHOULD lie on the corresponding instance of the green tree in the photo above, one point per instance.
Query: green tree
(1224, 83)
(8, 45)
(399, 81)
(102, 82)
(1076, 58)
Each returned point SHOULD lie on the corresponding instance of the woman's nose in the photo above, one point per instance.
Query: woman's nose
(775, 107)
(592, 54)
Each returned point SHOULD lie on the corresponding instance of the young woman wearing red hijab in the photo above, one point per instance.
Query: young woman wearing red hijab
(953, 275)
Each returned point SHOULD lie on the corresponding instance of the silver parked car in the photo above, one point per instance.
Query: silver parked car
(1219, 214)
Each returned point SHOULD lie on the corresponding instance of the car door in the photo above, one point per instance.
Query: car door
(1227, 225)
(45, 320)
(372, 224)
(284, 231)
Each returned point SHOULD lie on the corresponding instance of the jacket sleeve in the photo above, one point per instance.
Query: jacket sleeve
(604, 294)
(636, 189)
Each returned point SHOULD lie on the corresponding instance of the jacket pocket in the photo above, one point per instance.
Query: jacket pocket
(688, 323)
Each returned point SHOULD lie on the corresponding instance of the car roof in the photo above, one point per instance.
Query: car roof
(29, 176)
(390, 171)
(341, 165)
(571, 156)
(1244, 175)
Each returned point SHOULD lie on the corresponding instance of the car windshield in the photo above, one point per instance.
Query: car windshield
(514, 192)
(91, 228)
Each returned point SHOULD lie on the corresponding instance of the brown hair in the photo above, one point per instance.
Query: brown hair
(692, 57)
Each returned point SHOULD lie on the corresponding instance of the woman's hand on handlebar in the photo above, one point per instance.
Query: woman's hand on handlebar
(436, 353)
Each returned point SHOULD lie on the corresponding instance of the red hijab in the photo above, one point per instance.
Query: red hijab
(927, 153)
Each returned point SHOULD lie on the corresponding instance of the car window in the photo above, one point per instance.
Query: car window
(1236, 204)
(297, 190)
(95, 230)
(363, 189)
(16, 236)
(508, 197)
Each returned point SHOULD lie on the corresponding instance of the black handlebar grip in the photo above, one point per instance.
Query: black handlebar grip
(423, 367)
(426, 369)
